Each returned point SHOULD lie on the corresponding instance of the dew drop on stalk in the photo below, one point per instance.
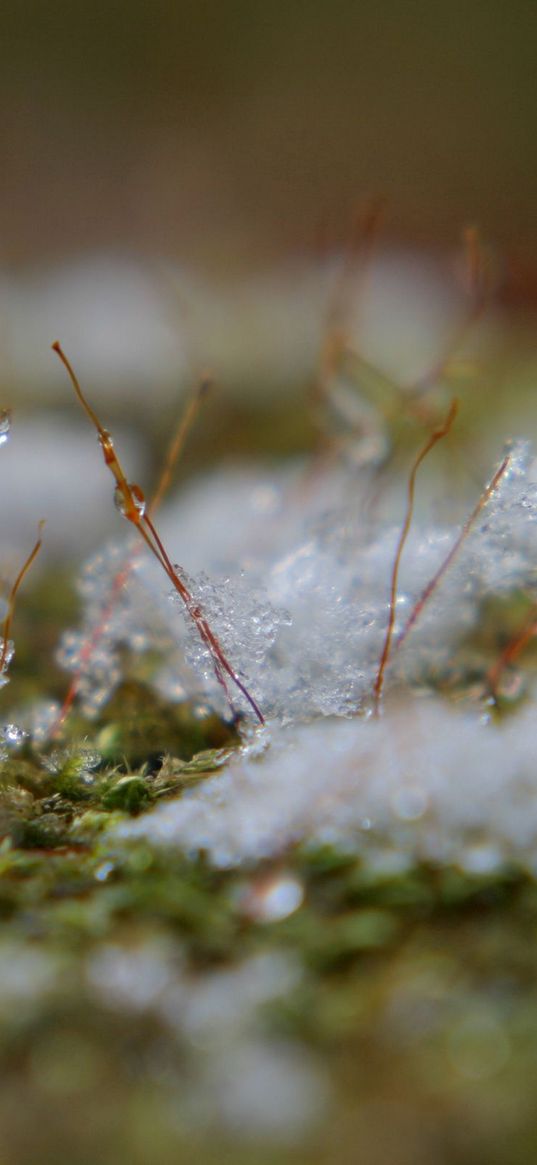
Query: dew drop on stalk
(135, 498)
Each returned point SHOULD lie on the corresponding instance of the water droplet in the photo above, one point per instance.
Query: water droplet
(103, 872)
(5, 425)
(135, 500)
(272, 898)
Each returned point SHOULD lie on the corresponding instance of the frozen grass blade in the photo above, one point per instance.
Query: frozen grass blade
(130, 501)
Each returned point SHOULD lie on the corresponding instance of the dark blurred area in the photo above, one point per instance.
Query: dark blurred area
(227, 133)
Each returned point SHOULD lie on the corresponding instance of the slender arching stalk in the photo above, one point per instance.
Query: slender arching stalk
(430, 443)
(131, 502)
(13, 595)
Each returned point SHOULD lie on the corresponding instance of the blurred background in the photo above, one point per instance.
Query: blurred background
(225, 133)
(179, 178)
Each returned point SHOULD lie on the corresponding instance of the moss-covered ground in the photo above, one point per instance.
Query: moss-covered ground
(415, 990)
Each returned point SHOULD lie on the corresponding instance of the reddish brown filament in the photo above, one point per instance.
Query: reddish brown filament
(444, 566)
(13, 595)
(121, 578)
(431, 441)
(131, 498)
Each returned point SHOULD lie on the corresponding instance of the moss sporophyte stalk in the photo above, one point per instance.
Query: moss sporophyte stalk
(131, 503)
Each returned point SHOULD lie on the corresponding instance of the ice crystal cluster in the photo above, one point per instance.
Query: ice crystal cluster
(296, 585)
(324, 576)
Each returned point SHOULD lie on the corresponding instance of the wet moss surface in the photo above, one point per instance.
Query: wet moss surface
(415, 991)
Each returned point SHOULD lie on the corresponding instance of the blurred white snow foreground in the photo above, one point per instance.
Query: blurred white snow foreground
(427, 782)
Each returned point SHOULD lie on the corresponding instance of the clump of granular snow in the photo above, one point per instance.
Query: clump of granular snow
(426, 782)
(296, 588)
(308, 635)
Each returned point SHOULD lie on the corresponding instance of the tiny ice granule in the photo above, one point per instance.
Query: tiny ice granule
(13, 735)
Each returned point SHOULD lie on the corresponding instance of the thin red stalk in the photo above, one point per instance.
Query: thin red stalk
(173, 454)
(431, 441)
(132, 504)
(13, 595)
(220, 661)
(178, 441)
(444, 566)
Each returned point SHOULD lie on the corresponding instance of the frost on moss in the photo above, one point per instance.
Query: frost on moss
(429, 783)
(298, 594)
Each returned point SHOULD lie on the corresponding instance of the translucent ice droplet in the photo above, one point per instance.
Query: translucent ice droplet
(5, 425)
(137, 497)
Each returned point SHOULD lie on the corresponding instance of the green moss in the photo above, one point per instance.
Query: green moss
(128, 793)
(377, 952)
